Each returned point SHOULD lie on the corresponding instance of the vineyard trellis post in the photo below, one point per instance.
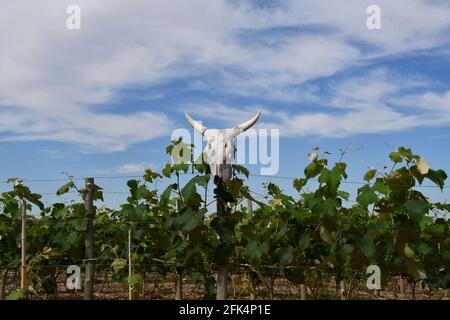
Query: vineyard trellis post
(178, 286)
(222, 268)
(23, 244)
(402, 287)
(89, 240)
(179, 271)
(343, 291)
(3, 284)
(250, 206)
(250, 276)
(130, 266)
(303, 291)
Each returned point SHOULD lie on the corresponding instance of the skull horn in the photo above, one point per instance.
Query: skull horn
(248, 124)
(196, 125)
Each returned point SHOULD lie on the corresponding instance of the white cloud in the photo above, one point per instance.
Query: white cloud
(373, 87)
(58, 85)
(428, 101)
(100, 132)
(227, 116)
(406, 24)
(129, 168)
(370, 103)
(434, 108)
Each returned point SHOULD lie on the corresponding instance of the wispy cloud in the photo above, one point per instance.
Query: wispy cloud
(227, 116)
(138, 167)
(59, 85)
(102, 132)
(374, 102)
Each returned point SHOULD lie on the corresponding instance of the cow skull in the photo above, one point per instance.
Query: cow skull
(219, 150)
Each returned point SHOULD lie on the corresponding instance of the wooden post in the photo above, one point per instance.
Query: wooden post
(402, 287)
(394, 287)
(144, 284)
(3, 285)
(179, 285)
(252, 287)
(343, 290)
(178, 271)
(222, 282)
(23, 265)
(222, 269)
(233, 284)
(303, 291)
(89, 240)
(250, 206)
(251, 278)
(130, 266)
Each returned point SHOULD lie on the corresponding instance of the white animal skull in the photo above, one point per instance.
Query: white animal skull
(220, 144)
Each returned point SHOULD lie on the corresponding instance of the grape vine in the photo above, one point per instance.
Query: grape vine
(307, 238)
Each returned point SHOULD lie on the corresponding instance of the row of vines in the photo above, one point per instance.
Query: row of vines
(306, 239)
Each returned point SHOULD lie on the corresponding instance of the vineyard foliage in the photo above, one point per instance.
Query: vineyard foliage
(305, 238)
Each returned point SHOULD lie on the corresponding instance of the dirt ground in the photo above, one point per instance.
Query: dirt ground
(158, 287)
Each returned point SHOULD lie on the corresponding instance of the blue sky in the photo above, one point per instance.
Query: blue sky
(103, 100)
